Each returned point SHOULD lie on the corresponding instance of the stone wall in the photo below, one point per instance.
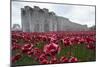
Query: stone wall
(41, 20)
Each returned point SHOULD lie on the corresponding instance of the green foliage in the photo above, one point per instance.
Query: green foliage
(78, 50)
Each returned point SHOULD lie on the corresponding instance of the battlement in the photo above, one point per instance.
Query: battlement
(45, 10)
(38, 9)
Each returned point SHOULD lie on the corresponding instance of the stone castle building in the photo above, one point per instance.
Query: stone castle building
(41, 20)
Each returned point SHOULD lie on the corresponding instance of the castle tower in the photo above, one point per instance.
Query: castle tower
(42, 20)
(38, 20)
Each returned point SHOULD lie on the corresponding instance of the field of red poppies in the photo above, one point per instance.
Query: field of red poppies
(53, 47)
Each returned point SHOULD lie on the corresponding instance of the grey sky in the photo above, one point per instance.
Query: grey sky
(84, 15)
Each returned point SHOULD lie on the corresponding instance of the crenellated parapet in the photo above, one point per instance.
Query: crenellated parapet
(36, 8)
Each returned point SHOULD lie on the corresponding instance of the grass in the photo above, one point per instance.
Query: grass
(80, 51)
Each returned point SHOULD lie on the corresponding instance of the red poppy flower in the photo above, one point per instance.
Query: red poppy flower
(44, 62)
(63, 59)
(51, 49)
(73, 59)
(53, 60)
(26, 48)
(16, 57)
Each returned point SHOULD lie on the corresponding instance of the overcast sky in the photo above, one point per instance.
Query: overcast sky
(84, 15)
